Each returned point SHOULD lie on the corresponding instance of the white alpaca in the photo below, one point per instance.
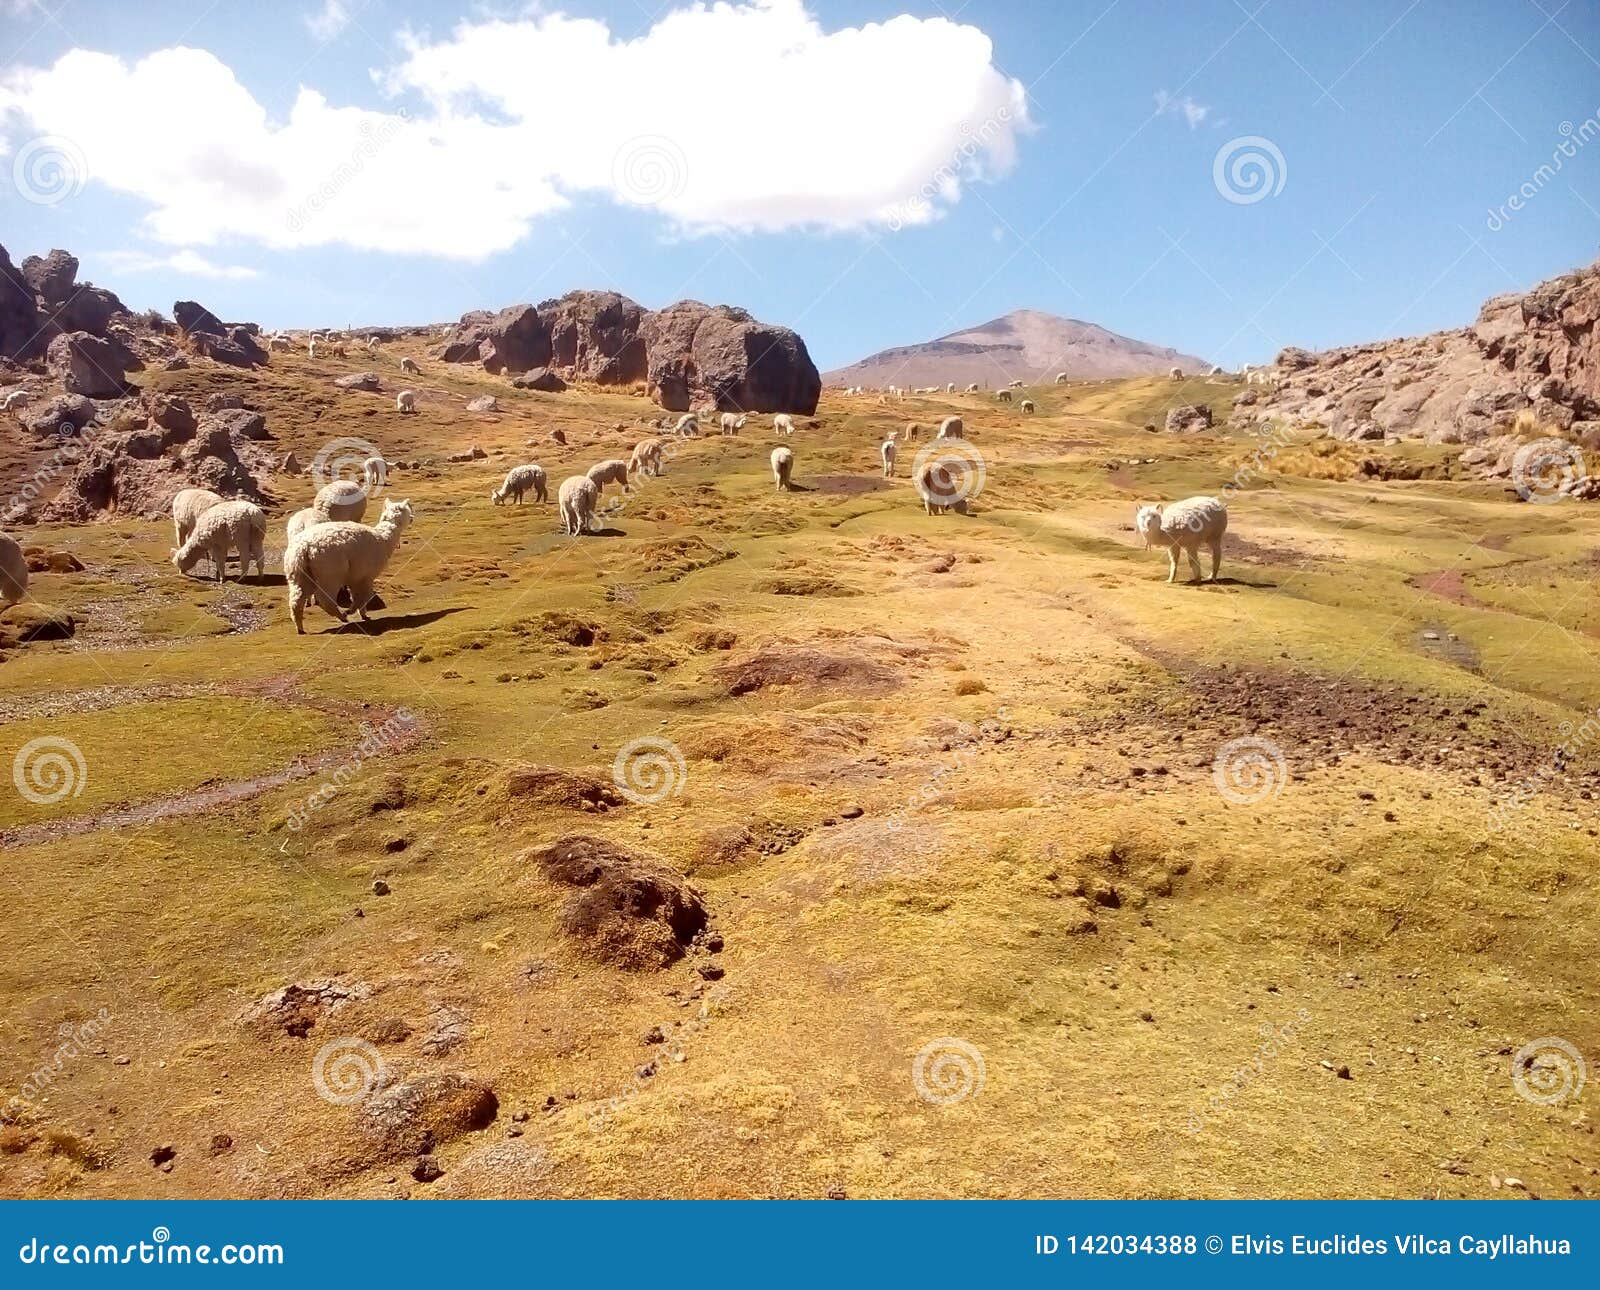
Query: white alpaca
(952, 428)
(1016, 385)
(688, 424)
(783, 423)
(577, 500)
(372, 344)
(782, 467)
(1027, 405)
(327, 558)
(410, 365)
(375, 473)
(13, 572)
(732, 423)
(280, 343)
(344, 499)
(911, 430)
(611, 471)
(405, 401)
(888, 452)
(188, 505)
(227, 526)
(1184, 526)
(300, 521)
(520, 480)
(646, 458)
(1004, 396)
(16, 399)
(973, 388)
(311, 347)
(1175, 373)
(1061, 378)
(950, 387)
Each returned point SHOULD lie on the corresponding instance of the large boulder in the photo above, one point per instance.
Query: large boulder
(541, 379)
(595, 335)
(90, 365)
(412, 1117)
(725, 355)
(51, 276)
(515, 339)
(236, 350)
(366, 381)
(64, 414)
(196, 318)
(1189, 416)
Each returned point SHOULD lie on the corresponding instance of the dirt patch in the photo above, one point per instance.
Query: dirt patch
(546, 787)
(804, 584)
(848, 485)
(630, 910)
(1449, 583)
(798, 666)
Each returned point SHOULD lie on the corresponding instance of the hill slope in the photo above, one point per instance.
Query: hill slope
(1026, 344)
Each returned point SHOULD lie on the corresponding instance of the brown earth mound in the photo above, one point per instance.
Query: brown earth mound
(785, 665)
(298, 1008)
(630, 910)
(414, 1116)
(550, 786)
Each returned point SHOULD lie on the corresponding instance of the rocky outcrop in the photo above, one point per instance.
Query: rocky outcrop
(1188, 417)
(131, 468)
(724, 355)
(1535, 353)
(195, 319)
(542, 379)
(89, 365)
(688, 352)
(43, 299)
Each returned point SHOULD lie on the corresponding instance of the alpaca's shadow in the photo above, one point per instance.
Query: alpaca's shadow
(1230, 582)
(799, 488)
(395, 623)
(607, 533)
(263, 580)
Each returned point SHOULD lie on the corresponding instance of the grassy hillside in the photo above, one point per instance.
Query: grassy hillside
(1006, 908)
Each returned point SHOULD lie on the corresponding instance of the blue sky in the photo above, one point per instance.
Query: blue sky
(1078, 146)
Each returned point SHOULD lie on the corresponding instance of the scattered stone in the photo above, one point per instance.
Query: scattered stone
(413, 1117)
(426, 1169)
(380, 887)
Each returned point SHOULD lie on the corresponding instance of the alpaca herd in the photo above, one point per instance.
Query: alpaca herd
(334, 560)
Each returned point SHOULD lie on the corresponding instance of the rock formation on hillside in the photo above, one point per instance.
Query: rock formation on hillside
(43, 299)
(1025, 345)
(685, 353)
(1535, 353)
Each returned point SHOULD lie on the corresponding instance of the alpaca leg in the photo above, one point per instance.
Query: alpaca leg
(1216, 557)
(1193, 555)
(360, 593)
(1172, 563)
(297, 607)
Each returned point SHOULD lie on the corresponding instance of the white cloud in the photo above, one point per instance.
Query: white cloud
(327, 22)
(738, 116)
(188, 263)
(1192, 112)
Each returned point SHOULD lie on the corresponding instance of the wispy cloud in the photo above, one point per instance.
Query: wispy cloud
(1192, 112)
(327, 22)
(187, 263)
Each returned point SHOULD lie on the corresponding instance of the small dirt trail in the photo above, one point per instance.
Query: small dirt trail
(381, 731)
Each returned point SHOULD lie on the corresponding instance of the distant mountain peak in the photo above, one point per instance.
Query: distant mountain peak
(1025, 344)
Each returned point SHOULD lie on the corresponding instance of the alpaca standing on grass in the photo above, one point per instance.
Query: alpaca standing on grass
(227, 526)
(888, 452)
(1184, 526)
(782, 467)
(519, 480)
(577, 499)
(339, 554)
(13, 572)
